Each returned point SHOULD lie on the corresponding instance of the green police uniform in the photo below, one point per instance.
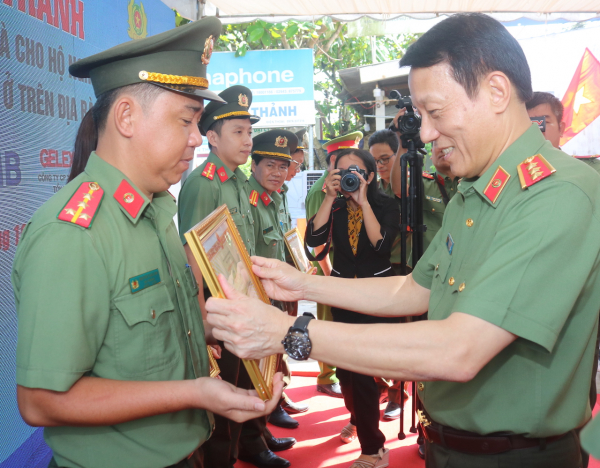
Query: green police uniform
(101, 283)
(591, 161)
(524, 259)
(205, 190)
(285, 218)
(590, 438)
(433, 203)
(267, 228)
(124, 308)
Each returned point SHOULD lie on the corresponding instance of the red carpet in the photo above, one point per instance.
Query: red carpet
(318, 435)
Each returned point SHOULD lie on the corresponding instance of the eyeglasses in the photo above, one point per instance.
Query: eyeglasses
(382, 161)
(297, 165)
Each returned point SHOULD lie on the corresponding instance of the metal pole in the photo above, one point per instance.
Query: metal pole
(311, 148)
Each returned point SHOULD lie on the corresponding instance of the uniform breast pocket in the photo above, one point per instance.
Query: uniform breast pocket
(244, 223)
(143, 333)
(270, 248)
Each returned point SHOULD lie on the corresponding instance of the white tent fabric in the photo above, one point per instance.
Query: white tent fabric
(235, 11)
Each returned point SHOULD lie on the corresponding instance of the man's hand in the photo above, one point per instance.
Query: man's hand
(238, 404)
(249, 328)
(281, 281)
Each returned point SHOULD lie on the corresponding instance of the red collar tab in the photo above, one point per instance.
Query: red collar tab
(427, 175)
(253, 197)
(266, 199)
(496, 184)
(222, 173)
(128, 198)
(82, 206)
(278, 190)
(534, 169)
(209, 171)
(440, 178)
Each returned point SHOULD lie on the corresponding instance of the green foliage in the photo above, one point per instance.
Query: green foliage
(333, 51)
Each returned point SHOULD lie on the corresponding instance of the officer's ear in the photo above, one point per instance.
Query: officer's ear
(213, 138)
(499, 91)
(253, 166)
(370, 178)
(125, 113)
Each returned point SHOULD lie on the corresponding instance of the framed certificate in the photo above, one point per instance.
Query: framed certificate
(214, 367)
(218, 248)
(295, 244)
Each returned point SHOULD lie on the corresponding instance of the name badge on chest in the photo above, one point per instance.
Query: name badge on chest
(143, 281)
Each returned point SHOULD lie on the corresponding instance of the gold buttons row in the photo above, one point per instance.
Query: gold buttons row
(451, 282)
(470, 222)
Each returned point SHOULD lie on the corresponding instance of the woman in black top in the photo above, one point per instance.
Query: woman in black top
(363, 225)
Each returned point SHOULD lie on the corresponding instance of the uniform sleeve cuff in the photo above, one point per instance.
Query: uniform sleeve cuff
(57, 381)
(508, 320)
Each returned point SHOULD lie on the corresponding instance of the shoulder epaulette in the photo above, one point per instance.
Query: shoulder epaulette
(209, 171)
(427, 175)
(496, 184)
(591, 156)
(253, 197)
(266, 199)
(222, 173)
(534, 169)
(83, 205)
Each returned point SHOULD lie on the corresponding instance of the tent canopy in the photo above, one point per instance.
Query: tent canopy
(235, 11)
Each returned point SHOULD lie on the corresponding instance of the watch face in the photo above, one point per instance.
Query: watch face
(297, 345)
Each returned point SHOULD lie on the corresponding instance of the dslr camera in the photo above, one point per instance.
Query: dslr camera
(409, 124)
(350, 181)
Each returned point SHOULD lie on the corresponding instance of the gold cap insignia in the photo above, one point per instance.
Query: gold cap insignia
(243, 100)
(135, 284)
(281, 142)
(94, 186)
(128, 197)
(208, 50)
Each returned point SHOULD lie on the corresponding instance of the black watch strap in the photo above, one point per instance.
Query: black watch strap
(301, 322)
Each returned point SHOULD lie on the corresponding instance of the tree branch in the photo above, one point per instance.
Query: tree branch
(332, 39)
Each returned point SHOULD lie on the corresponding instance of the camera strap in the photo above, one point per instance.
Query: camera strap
(442, 189)
(327, 246)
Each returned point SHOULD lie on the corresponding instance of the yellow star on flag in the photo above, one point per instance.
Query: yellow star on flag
(580, 100)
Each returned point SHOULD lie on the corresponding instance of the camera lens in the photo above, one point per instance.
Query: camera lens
(350, 183)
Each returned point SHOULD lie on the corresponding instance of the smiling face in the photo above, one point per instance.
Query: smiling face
(461, 127)
(165, 137)
(270, 173)
(554, 128)
(234, 144)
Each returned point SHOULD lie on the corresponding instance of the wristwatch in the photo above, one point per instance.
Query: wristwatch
(297, 343)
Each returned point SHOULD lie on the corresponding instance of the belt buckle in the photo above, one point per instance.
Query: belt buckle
(423, 418)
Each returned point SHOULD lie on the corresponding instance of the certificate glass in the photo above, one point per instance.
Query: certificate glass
(218, 248)
(295, 244)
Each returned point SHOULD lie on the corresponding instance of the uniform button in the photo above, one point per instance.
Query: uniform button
(433, 210)
(421, 386)
(153, 314)
(461, 288)
(470, 222)
(451, 281)
(243, 216)
(189, 332)
(437, 266)
(177, 281)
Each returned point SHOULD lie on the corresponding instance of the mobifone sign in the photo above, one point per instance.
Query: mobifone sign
(281, 82)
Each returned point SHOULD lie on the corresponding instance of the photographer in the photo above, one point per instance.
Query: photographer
(362, 224)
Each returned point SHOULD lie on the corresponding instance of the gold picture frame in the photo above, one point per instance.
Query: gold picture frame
(214, 367)
(295, 245)
(218, 248)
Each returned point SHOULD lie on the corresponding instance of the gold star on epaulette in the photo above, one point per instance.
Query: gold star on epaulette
(84, 216)
(70, 211)
(82, 205)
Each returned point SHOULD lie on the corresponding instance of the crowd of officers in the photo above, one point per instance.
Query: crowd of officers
(114, 315)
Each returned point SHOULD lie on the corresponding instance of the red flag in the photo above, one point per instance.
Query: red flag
(582, 99)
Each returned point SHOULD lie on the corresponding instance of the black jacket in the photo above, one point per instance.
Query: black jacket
(370, 261)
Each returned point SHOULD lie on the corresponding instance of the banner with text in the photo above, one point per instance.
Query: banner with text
(281, 82)
(41, 106)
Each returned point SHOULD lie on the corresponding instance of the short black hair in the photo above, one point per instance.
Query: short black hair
(473, 44)
(85, 142)
(387, 137)
(333, 153)
(540, 97)
(145, 93)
